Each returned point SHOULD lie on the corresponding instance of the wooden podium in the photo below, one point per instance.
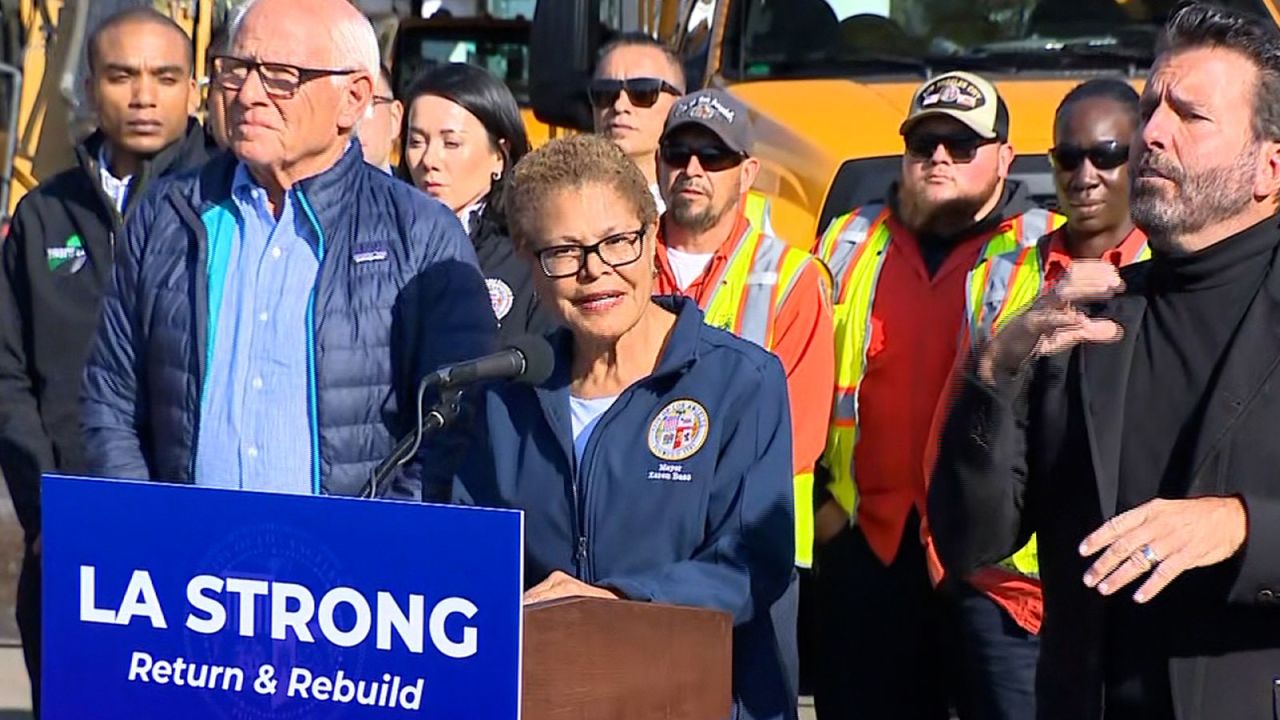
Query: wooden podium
(589, 659)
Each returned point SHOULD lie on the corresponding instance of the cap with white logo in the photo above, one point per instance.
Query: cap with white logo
(716, 110)
(965, 97)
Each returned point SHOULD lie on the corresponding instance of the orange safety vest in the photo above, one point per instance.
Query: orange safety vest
(752, 287)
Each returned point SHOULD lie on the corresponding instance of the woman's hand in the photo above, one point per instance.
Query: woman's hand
(561, 585)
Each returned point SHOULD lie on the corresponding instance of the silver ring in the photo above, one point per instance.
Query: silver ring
(1149, 555)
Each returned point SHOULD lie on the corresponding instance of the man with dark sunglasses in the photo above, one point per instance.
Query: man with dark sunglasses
(745, 280)
(1092, 129)
(270, 317)
(636, 82)
(891, 622)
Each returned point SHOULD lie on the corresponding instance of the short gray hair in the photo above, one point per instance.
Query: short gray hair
(355, 44)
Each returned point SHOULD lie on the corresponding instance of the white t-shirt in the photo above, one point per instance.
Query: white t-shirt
(687, 266)
(657, 197)
(584, 414)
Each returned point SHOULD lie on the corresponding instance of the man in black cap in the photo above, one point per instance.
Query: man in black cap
(745, 280)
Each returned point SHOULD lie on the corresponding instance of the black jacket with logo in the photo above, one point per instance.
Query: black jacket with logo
(510, 280)
(54, 265)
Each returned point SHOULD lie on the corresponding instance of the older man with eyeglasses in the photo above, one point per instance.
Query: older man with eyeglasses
(269, 318)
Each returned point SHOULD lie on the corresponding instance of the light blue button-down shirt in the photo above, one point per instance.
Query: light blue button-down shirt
(255, 414)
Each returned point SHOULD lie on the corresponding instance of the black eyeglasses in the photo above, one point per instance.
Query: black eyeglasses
(961, 148)
(642, 91)
(1107, 155)
(280, 80)
(713, 158)
(562, 261)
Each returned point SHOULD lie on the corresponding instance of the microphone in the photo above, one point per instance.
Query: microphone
(527, 360)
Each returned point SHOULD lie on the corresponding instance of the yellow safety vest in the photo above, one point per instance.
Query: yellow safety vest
(854, 247)
(998, 289)
(1004, 286)
(759, 212)
(756, 282)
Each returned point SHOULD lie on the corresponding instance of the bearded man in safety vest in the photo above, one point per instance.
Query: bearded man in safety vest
(745, 280)
(897, 641)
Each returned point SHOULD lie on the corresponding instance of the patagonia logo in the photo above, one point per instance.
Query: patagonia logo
(368, 253)
(69, 258)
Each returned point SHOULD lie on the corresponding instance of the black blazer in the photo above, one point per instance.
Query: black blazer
(1040, 453)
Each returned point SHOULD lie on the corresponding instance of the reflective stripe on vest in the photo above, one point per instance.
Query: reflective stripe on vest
(1000, 288)
(757, 280)
(854, 247)
(1144, 253)
(759, 212)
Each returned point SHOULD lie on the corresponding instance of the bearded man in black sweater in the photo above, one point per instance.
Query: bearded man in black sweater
(1130, 418)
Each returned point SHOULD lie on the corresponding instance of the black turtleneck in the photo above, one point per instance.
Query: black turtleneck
(1195, 303)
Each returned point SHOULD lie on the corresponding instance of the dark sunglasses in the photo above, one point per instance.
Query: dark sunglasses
(961, 148)
(1107, 155)
(643, 92)
(712, 158)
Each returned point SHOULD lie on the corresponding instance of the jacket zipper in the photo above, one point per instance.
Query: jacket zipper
(582, 495)
(200, 269)
(313, 410)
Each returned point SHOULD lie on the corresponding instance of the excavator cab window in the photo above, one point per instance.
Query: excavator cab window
(840, 38)
(499, 46)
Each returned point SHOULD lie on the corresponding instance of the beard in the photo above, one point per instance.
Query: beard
(946, 217)
(1195, 200)
(686, 213)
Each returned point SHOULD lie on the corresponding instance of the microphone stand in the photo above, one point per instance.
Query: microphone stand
(437, 418)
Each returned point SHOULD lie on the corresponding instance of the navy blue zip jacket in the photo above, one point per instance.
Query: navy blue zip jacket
(377, 326)
(683, 495)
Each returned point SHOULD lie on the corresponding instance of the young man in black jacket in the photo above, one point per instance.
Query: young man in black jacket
(57, 260)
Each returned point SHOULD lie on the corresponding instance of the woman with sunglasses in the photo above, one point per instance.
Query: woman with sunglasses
(655, 463)
(1092, 129)
(1091, 133)
(463, 133)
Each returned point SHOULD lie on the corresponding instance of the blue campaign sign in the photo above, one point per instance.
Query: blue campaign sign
(166, 601)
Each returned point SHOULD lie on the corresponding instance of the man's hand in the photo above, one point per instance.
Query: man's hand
(829, 521)
(561, 585)
(1053, 323)
(1166, 537)
(37, 547)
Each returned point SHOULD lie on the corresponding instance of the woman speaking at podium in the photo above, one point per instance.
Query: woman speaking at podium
(655, 463)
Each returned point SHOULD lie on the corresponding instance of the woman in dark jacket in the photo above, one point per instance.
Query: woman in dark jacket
(462, 134)
(655, 462)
